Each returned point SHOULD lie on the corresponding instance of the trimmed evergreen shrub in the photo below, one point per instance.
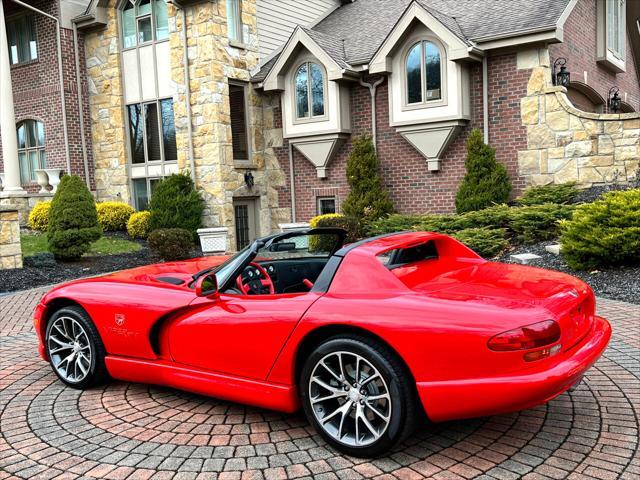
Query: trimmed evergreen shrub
(486, 242)
(562, 193)
(605, 232)
(486, 181)
(113, 216)
(538, 222)
(171, 243)
(175, 203)
(138, 224)
(367, 200)
(73, 220)
(39, 216)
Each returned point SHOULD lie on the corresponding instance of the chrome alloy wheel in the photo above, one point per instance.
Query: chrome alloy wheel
(350, 399)
(69, 349)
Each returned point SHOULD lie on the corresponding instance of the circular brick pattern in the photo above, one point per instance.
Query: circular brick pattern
(132, 431)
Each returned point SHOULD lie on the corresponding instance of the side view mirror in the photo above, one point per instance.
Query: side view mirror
(207, 286)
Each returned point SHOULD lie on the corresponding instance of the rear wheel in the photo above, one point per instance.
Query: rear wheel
(357, 395)
(76, 352)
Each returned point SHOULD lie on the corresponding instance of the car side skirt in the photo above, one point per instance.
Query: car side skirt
(283, 398)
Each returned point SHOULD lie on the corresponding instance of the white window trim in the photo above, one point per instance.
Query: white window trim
(138, 44)
(236, 42)
(442, 101)
(311, 118)
(326, 197)
(606, 54)
(29, 176)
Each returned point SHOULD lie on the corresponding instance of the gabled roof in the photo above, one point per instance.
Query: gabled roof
(363, 25)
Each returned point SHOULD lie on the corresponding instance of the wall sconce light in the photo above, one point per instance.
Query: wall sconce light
(614, 102)
(248, 179)
(561, 77)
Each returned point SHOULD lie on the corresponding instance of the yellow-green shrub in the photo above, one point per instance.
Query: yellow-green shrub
(138, 225)
(113, 216)
(39, 216)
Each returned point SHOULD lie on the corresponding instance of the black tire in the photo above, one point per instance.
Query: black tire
(402, 408)
(97, 371)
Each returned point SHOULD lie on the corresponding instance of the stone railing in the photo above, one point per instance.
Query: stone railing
(10, 249)
(566, 144)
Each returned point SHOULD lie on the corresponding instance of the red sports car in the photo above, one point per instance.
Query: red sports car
(362, 336)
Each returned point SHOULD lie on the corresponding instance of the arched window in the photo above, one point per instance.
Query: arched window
(309, 91)
(423, 69)
(31, 150)
(144, 21)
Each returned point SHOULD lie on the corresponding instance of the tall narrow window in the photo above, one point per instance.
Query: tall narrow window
(616, 27)
(238, 123)
(22, 39)
(31, 149)
(423, 70)
(144, 21)
(234, 20)
(309, 91)
(152, 132)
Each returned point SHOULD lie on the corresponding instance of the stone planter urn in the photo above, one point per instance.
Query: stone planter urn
(213, 240)
(43, 180)
(287, 227)
(54, 177)
(1, 181)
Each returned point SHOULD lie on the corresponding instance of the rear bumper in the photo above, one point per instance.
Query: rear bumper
(458, 399)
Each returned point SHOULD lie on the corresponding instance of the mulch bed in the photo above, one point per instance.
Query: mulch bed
(615, 283)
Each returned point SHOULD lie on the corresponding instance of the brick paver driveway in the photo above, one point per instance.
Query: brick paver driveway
(137, 431)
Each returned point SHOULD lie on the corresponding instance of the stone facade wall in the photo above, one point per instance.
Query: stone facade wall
(565, 144)
(10, 249)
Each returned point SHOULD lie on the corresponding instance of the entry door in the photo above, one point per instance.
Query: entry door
(246, 219)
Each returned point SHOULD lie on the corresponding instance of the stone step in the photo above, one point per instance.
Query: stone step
(525, 258)
(553, 249)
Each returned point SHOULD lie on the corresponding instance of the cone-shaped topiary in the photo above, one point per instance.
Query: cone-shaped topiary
(368, 200)
(486, 181)
(73, 220)
(175, 203)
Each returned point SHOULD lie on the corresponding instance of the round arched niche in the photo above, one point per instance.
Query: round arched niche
(626, 108)
(585, 98)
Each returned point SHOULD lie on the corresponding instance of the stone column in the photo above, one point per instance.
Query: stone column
(7, 117)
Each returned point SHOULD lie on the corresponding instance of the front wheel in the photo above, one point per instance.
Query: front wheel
(76, 352)
(357, 395)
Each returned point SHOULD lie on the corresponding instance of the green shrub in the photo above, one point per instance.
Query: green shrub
(605, 232)
(367, 200)
(113, 216)
(138, 225)
(171, 243)
(39, 216)
(350, 224)
(73, 220)
(562, 193)
(538, 222)
(394, 223)
(175, 203)
(486, 242)
(486, 181)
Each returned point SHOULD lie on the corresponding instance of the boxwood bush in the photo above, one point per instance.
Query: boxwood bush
(113, 216)
(605, 232)
(171, 243)
(39, 216)
(138, 225)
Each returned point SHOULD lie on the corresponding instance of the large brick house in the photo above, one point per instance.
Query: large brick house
(273, 93)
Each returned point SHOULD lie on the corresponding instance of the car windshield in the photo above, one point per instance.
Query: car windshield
(318, 245)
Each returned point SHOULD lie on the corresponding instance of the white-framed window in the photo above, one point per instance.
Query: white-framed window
(152, 131)
(142, 190)
(309, 87)
(22, 38)
(616, 28)
(239, 123)
(144, 21)
(234, 21)
(326, 205)
(31, 149)
(423, 73)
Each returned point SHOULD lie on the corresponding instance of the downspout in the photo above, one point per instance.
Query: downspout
(292, 183)
(372, 90)
(187, 81)
(485, 98)
(65, 127)
(81, 106)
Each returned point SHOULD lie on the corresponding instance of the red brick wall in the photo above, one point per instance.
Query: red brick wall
(36, 92)
(413, 188)
(579, 48)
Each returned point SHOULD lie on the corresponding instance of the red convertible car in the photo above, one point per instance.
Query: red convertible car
(363, 337)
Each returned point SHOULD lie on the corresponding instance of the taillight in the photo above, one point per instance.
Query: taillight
(537, 335)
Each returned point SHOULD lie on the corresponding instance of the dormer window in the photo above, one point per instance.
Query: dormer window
(423, 70)
(309, 91)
